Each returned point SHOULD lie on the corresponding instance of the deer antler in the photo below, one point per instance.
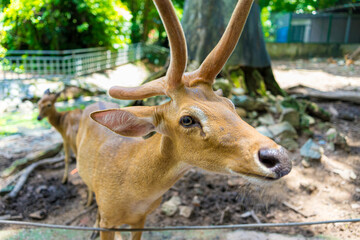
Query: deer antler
(208, 70)
(178, 58)
(177, 43)
(217, 58)
(153, 88)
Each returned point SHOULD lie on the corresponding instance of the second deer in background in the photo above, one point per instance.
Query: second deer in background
(66, 123)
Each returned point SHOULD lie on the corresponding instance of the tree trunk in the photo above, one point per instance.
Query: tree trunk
(204, 22)
(145, 20)
(135, 35)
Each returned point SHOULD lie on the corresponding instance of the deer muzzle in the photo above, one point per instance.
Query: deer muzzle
(275, 160)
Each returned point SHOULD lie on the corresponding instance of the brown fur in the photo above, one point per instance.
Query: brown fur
(129, 174)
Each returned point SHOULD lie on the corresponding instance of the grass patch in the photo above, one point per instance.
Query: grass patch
(17, 122)
(14, 122)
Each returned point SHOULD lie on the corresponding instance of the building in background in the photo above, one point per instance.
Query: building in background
(340, 24)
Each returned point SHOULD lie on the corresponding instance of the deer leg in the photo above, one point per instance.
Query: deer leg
(95, 234)
(139, 224)
(90, 200)
(103, 234)
(107, 235)
(118, 236)
(67, 159)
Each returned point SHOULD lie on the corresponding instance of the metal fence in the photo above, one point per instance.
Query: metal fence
(67, 64)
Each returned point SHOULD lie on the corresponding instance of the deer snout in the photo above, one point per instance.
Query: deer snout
(39, 118)
(276, 160)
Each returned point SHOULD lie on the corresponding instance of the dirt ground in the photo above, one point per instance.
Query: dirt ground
(307, 194)
(317, 73)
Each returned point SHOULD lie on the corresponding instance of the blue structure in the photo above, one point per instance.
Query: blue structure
(340, 24)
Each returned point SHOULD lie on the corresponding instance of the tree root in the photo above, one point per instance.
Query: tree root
(28, 170)
(340, 95)
(31, 158)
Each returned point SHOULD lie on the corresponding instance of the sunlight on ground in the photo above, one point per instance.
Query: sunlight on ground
(14, 122)
(7, 234)
(128, 75)
(324, 204)
(314, 78)
(43, 234)
(39, 234)
(24, 117)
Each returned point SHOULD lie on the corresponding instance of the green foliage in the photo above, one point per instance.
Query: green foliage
(14, 122)
(4, 3)
(57, 24)
(301, 6)
(266, 23)
(298, 6)
(146, 24)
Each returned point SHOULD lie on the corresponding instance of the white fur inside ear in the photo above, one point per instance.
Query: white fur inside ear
(123, 122)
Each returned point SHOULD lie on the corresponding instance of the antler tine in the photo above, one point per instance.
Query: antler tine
(153, 88)
(178, 52)
(217, 58)
(178, 60)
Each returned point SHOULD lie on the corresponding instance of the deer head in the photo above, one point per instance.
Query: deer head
(198, 126)
(47, 104)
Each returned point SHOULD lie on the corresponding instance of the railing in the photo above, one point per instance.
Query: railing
(67, 64)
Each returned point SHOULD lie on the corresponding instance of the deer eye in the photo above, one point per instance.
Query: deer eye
(187, 121)
(49, 105)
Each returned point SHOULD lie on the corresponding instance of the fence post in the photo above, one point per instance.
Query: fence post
(289, 28)
(25, 68)
(329, 29)
(348, 26)
(3, 68)
(73, 64)
(38, 68)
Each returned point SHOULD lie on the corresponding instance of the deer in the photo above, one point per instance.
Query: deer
(66, 123)
(129, 157)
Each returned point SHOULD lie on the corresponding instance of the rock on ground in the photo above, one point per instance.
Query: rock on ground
(311, 150)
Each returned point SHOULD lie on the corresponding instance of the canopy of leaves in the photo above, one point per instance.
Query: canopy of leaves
(4, 3)
(300, 6)
(58, 24)
(146, 24)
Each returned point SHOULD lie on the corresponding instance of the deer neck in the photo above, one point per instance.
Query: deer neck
(172, 161)
(55, 119)
(162, 163)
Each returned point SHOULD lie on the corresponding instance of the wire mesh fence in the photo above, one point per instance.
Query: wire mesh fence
(67, 64)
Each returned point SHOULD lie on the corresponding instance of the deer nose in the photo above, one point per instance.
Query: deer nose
(276, 160)
(39, 118)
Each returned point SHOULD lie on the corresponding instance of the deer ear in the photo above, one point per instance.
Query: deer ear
(124, 122)
(57, 94)
(47, 92)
